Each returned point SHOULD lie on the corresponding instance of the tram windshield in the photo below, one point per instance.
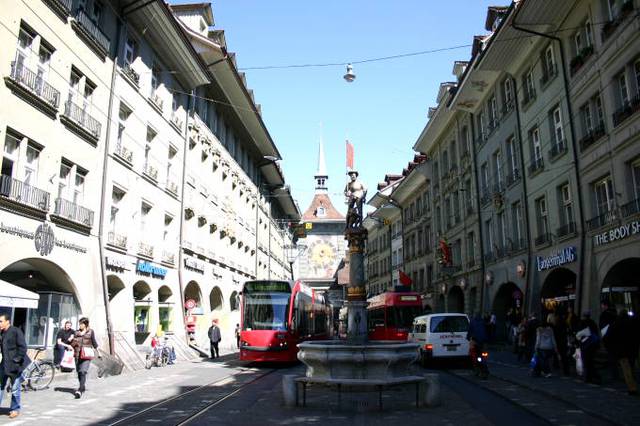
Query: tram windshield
(266, 311)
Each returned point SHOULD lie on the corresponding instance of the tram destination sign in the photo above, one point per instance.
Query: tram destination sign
(267, 286)
(561, 257)
(618, 233)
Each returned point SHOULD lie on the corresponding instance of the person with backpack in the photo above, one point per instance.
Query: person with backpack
(545, 348)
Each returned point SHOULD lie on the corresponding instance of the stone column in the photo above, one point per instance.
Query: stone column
(357, 328)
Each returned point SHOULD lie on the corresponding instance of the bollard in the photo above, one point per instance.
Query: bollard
(289, 390)
(430, 395)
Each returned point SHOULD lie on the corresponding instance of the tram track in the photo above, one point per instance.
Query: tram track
(161, 408)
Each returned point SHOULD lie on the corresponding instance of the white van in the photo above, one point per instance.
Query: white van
(440, 336)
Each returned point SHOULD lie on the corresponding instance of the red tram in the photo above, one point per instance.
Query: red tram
(276, 316)
(390, 315)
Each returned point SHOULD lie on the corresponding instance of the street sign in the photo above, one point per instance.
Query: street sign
(190, 304)
(308, 226)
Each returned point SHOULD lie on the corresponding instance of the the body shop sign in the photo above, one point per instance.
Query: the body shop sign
(561, 257)
(618, 233)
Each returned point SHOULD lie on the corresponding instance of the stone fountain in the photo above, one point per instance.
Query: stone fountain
(357, 359)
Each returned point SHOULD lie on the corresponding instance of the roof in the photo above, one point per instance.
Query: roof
(321, 200)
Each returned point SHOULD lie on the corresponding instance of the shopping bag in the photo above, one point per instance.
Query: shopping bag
(67, 360)
(87, 353)
(579, 365)
(534, 363)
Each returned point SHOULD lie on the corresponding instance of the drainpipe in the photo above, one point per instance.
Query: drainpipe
(103, 196)
(480, 239)
(190, 106)
(581, 260)
(526, 295)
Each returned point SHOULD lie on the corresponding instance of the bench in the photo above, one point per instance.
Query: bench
(378, 384)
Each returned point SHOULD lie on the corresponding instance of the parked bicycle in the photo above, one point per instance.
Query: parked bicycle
(159, 356)
(39, 374)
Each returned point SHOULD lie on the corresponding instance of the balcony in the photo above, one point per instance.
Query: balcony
(603, 219)
(177, 121)
(124, 153)
(145, 250)
(493, 125)
(91, 33)
(62, 8)
(117, 240)
(156, 101)
(22, 193)
(33, 89)
(543, 239)
(558, 149)
(626, 111)
(150, 172)
(592, 136)
(168, 258)
(580, 59)
(172, 187)
(631, 208)
(73, 212)
(567, 229)
(513, 177)
(81, 123)
(536, 166)
(529, 96)
(131, 74)
(549, 73)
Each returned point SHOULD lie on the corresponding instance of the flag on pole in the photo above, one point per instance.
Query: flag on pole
(404, 278)
(349, 156)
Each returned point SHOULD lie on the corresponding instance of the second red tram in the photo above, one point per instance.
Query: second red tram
(276, 316)
(390, 315)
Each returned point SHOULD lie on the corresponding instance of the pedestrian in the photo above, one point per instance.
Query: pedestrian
(63, 342)
(492, 326)
(85, 349)
(237, 333)
(214, 338)
(607, 319)
(522, 340)
(508, 326)
(559, 326)
(589, 342)
(624, 342)
(545, 347)
(14, 361)
(530, 333)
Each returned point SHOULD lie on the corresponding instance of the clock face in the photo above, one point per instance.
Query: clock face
(322, 254)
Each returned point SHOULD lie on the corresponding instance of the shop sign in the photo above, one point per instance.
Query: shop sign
(561, 257)
(115, 263)
(148, 268)
(44, 238)
(618, 233)
(190, 263)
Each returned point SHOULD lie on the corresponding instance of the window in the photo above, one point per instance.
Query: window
(168, 220)
(516, 217)
(512, 162)
(96, 11)
(635, 177)
(623, 90)
(454, 155)
(25, 43)
(456, 207)
(636, 70)
(484, 177)
(599, 110)
(507, 94)
(481, 126)
(31, 165)
(493, 112)
(155, 78)
(587, 121)
(536, 147)
(603, 195)
(497, 167)
(558, 133)
(566, 206)
(464, 140)
(502, 230)
(11, 154)
(549, 62)
(445, 161)
(529, 88)
(542, 217)
(614, 9)
(468, 196)
(470, 243)
(117, 195)
(145, 209)
(151, 134)
(488, 226)
(130, 50)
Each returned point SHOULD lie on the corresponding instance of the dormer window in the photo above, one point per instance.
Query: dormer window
(321, 212)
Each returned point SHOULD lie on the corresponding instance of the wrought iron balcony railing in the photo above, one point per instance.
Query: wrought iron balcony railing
(35, 84)
(566, 229)
(23, 193)
(117, 240)
(592, 136)
(125, 153)
(92, 30)
(543, 239)
(603, 219)
(73, 212)
(630, 208)
(145, 249)
(81, 117)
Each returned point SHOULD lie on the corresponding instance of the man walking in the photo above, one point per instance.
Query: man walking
(214, 338)
(14, 361)
(237, 333)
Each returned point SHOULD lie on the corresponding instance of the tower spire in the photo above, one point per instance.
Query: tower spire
(321, 174)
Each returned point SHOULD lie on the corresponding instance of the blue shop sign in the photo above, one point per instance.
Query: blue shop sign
(148, 268)
(561, 257)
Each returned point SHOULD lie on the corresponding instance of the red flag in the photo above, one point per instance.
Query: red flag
(404, 278)
(349, 156)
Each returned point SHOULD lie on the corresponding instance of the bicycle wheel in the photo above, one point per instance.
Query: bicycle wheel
(149, 362)
(41, 376)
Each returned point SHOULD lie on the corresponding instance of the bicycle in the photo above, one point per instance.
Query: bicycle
(158, 357)
(39, 374)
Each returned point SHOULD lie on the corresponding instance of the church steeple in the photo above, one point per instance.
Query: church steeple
(321, 176)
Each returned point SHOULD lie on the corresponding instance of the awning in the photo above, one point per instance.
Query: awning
(17, 297)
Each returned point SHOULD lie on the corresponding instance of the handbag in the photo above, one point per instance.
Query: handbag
(87, 353)
(67, 360)
(579, 364)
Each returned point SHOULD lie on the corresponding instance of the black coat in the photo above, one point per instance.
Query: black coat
(14, 351)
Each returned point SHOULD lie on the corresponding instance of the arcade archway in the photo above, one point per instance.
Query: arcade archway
(558, 291)
(455, 300)
(508, 299)
(621, 285)
(142, 311)
(215, 299)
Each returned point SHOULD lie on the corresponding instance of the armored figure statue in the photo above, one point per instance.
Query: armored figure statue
(355, 191)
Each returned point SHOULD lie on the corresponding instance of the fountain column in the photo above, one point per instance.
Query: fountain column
(357, 328)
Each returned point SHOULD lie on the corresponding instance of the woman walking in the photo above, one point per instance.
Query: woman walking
(85, 348)
(545, 347)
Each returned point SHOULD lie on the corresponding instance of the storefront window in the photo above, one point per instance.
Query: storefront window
(165, 318)
(141, 318)
(42, 324)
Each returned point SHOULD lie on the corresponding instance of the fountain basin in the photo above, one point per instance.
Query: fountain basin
(380, 360)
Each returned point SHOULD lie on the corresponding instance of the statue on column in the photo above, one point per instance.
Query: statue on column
(355, 191)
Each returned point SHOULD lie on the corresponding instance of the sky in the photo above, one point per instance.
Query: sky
(382, 112)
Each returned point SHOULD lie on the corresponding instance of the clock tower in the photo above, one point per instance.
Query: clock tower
(325, 240)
